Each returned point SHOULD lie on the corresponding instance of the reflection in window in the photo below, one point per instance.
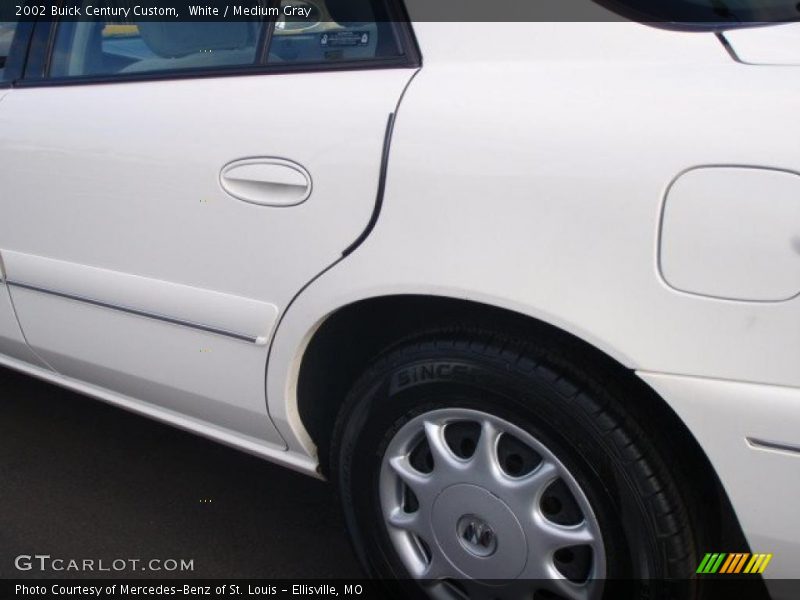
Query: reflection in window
(110, 48)
(335, 30)
(324, 32)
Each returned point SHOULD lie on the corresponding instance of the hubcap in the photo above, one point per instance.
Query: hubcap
(475, 548)
(476, 506)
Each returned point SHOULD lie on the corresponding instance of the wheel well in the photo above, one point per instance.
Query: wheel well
(351, 338)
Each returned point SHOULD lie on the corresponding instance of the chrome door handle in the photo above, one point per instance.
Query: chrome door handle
(267, 181)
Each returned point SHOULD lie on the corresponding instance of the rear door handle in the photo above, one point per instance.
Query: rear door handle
(267, 181)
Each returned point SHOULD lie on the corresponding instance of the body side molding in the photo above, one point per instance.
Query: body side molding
(214, 312)
(140, 313)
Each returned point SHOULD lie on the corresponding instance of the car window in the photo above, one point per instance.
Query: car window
(326, 31)
(92, 48)
(304, 32)
(6, 36)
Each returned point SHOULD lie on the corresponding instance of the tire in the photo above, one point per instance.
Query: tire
(464, 457)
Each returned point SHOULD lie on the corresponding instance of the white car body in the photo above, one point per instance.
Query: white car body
(571, 173)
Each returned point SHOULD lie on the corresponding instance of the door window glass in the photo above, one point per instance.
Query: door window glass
(329, 31)
(87, 48)
(303, 32)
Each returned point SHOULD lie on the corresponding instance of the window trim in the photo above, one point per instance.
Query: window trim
(38, 49)
(42, 41)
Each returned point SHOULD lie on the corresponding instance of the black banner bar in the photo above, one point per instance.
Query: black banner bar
(715, 13)
(709, 588)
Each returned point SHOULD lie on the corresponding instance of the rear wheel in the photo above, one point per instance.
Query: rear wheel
(483, 468)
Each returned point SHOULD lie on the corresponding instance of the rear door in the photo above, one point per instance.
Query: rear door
(169, 187)
(13, 44)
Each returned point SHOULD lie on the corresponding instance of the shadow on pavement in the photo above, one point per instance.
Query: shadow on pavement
(82, 479)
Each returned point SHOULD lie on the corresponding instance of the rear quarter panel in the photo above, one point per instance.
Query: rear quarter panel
(528, 170)
(529, 167)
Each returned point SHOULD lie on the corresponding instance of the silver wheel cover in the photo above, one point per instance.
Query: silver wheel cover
(476, 529)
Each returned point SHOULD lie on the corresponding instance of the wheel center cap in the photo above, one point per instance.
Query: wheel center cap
(476, 535)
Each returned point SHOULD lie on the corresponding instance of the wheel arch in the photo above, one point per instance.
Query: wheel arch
(328, 369)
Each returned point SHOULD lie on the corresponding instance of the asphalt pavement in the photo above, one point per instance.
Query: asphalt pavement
(80, 479)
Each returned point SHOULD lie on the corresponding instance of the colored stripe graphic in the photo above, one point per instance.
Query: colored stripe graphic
(711, 563)
(757, 566)
(728, 562)
(717, 564)
(752, 563)
(764, 564)
(758, 563)
(741, 562)
(734, 563)
(702, 567)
